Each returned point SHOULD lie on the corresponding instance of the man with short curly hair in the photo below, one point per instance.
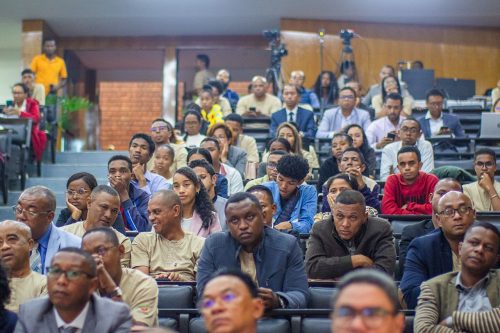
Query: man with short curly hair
(295, 201)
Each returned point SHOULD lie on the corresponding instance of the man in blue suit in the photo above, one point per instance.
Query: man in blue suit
(435, 122)
(293, 113)
(437, 253)
(36, 208)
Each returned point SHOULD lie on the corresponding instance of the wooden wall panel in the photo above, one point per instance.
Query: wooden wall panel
(460, 52)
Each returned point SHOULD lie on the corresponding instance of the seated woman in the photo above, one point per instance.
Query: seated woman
(390, 84)
(230, 154)
(163, 160)
(199, 215)
(210, 111)
(192, 126)
(359, 141)
(26, 107)
(78, 189)
(326, 89)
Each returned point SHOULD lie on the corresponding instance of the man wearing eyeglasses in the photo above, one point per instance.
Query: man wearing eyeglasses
(271, 171)
(484, 192)
(367, 302)
(72, 306)
(136, 289)
(15, 246)
(162, 133)
(334, 120)
(437, 253)
(103, 207)
(35, 208)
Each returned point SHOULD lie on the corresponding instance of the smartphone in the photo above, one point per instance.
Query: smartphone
(391, 135)
(9, 103)
(444, 128)
(252, 109)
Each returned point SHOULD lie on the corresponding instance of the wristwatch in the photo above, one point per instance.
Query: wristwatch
(115, 293)
(282, 302)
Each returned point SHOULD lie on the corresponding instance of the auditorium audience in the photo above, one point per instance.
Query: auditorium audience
(102, 210)
(272, 259)
(326, 89)
(36, 90)
(231, 303)
(8, 319)
(192, 127)
(207, 176)
(360, 142)
(372, 296)
(467, 300)
(385, 130)
(330, 167)
(484, 192)
(346, 113)
(265, 197)
(408, 192)
(349, 240)
(437, 252)
(131, 286)
(295, 200)
(224, 77)
(409, 133)
(202, 75)
(230, 154)
(306, 96)
(35, 208)
(170, 252)
(198, 212)
(258, 103)
(50, 69)
(435, 122)
(133, 201)
(163, 160)
(347, 73)
(246, 142)
(15, 246)
(210, 110)
(78, 188)
(72, 304)
(376, 89)
(27, 108)
(221, 184)
(162, 133)
(390, 85)
(271, 172)
(217, 90)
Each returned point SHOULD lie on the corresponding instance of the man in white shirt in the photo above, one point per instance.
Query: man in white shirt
(378, 131)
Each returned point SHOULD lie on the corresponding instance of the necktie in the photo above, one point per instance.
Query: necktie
(69, 329)
(290, 117)
(36, 259)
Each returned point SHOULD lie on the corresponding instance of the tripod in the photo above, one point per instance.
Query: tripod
(346, 59)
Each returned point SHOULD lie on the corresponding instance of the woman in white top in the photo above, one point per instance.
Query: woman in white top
(192, 127)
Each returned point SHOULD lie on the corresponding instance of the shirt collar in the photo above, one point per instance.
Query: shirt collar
(257, 250)
(294, 110)
(428, 116)
(44, 240)
(479, 284)
(78, 322)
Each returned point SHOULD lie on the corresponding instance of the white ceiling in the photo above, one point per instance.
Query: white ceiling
(235, 17)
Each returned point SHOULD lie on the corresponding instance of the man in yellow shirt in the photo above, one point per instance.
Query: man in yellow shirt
(50, 69)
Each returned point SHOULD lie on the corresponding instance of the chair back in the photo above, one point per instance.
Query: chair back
(20, 128)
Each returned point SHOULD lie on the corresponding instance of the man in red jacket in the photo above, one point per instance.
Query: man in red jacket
(408, 192)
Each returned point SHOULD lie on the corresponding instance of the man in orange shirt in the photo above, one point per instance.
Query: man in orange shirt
(50, 69)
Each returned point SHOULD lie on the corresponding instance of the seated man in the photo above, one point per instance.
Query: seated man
(102, 209)
(224, 76)
(418, 229)
(295, 201)
(133, 201)
(271, 258)
(241, 306)
(385, 130)
(162, 133)
(374, 297)
(205, 171)
(409, 133)
(330, 167)
(136, 289)
(352, 240)
(72, 305)
(235, 122)
(168, 252)
(468, 300)
(435, 122)
(484, 192)
(437, 252)
(35, 208)
(293, 113)
(408, 192)
(15, 246)
(308, 97)
(140, 149)
(265, 197)
(272, 161)
(258, 103)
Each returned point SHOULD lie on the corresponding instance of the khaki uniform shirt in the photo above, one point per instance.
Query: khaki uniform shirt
(480, 199)
(248, 144)
(267, 106)
(162, 256)
(140, 293)
(24, 289)
(247, 264)
(78, 230)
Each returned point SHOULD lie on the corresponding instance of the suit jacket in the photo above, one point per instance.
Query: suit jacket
(439, 299)
(410, 233)
(449, 120)
(304, 120)
(428, 256)
(59, 239)
(103, 316)
(237, 158)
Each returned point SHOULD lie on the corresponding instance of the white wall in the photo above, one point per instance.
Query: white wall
(10, 56)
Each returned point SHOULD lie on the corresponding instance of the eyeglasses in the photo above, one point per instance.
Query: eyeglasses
(160, 128)
(55, 273)
(272, 165)
(412, 130)
(79, 193)
(18, 210)
(486, 165)
(372, 317)
(210, 303)
(435, 104)
(450, 212)
(102, 250)
(351, 97)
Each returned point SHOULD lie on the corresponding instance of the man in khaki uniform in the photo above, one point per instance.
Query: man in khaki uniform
(103, 208)
(167, 252)
(247, 143)
(15, 246)
(139, 291)
(258, 103)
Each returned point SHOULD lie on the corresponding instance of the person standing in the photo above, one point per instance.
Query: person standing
(49, 68)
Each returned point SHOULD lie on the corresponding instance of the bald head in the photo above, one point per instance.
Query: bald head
(20, 228)
(167, 197)
(16, 244)
(442, 187)
(451, 197)
(41, 193)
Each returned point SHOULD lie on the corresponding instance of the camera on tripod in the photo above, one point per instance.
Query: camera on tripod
(347, 35)
(278, 49)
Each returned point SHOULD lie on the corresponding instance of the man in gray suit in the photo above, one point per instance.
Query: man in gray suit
(36, 208)
(71, 306)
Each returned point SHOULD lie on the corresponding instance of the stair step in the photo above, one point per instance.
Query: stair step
(56, 184)
(14, 196)
(67, 169)
(97, 157)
